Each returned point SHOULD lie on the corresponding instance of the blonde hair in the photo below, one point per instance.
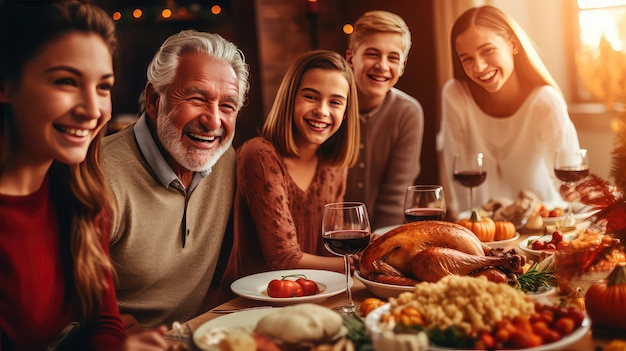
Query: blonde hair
(528, 64)
(379, 22)
(341, 149)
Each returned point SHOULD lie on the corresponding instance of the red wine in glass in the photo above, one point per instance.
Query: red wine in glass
(572, 174)
(345, 232)
(424, 214)
(571, 166)
(469, 172)
(470, 179)
(346, 242)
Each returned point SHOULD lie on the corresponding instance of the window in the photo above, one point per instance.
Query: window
(601, 56)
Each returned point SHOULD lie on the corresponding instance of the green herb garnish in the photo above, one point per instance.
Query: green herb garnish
(534, 279)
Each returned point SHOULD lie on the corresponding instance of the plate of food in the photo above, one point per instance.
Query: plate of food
(538, 244)
(448, 316)
(295, 327)
(255, 286)
(554, 213)
(384, 291)
(239, 324)
(372, 322)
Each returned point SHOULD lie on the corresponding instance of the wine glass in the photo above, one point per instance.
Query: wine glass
(346, 231)
(424, 203)
(570, 167)
(469, 172)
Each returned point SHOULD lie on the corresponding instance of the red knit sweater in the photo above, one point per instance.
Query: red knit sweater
(32, 291)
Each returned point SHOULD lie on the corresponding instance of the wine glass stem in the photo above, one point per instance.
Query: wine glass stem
(349, 305)
(471, 200)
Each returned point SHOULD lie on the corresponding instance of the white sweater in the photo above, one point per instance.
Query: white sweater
(518, 149)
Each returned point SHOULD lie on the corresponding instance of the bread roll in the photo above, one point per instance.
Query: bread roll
(302, 323)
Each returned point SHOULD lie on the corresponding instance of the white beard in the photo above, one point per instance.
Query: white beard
(193, 159)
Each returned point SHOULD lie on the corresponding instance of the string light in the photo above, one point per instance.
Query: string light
(171, 11)
(348, 29)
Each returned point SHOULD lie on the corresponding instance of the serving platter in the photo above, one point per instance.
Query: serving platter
(374, 330)
(384, 291)
(254, 286)
(386, 229)
(498, 243)
(207, 336)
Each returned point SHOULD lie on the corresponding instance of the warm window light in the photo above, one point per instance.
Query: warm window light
(601, 60)
(592, 4)
(216, 9)
(348, 29)
(166, 13)
(597, 23)
(137, 13)
(117, 16)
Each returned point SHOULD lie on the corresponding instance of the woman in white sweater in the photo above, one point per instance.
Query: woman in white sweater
(504, 103)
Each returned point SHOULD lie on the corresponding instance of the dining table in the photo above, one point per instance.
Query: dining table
(594, 340)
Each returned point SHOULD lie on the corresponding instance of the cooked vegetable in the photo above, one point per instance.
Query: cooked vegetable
(605, 301)
(370, 304)
(309, 287)
(283, 288)
(289, 288)
(483, 227)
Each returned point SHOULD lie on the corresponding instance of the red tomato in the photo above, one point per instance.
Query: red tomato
(283, 288)
(309, 287)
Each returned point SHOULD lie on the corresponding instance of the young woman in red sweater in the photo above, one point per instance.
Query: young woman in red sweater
(56, 75)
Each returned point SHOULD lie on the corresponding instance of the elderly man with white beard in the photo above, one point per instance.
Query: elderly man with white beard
(173, 177)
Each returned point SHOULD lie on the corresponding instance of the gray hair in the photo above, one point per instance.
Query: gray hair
(162, 69)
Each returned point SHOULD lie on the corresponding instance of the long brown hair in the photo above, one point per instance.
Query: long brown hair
(83, 200)
(341, 149)
(528, 64)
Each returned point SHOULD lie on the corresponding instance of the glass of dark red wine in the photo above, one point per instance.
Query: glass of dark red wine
(424, 203)
(346, 231)
(469, 172)
(571, 166)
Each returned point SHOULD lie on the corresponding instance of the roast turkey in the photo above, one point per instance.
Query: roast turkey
(427, 250)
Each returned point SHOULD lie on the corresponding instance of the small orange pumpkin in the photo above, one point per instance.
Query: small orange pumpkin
(504, 230)
(483, 228)
(605, 300)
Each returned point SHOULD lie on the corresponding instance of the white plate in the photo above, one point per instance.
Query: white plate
(373, 329)
(384, 291)
(254, 286)
(499, 243)
(524, 243)
(385, 230)
(246, 320)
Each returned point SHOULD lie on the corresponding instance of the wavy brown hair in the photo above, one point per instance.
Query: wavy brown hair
(83, 200)
(342, 148)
